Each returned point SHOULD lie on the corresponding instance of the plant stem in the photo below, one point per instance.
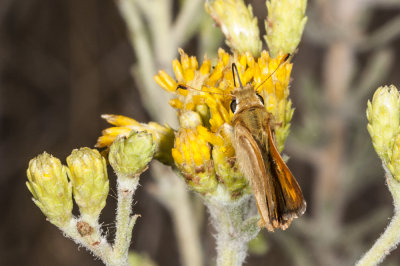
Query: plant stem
(94, 242)
(231, 252)
(125, 222)
(391, 237)
(236, 225)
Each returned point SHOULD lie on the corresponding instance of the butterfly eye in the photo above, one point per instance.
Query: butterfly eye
(261, 98)
(233, 106)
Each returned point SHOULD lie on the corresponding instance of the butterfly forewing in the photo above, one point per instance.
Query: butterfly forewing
(294, 204)
(252, 164)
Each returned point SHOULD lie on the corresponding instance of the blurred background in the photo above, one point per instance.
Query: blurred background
(64, 63)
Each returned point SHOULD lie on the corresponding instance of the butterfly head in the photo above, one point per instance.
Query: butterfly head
(244, 97)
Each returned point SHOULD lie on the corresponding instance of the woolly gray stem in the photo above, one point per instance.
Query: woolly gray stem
(391, 237)
(125, 222)
(93, 242)
(236, 224)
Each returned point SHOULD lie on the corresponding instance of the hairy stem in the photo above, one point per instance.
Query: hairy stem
(391, 237)
(236, 225)
(92, 241)
(125, 222)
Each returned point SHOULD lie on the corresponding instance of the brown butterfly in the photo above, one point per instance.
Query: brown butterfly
(278, 195)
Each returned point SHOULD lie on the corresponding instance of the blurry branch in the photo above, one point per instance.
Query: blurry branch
(382, 36)
(150, 93)
(376, 69)
(358, 176)
(357, 230)
(186, 24)
(171, 193)
(155, 40)
(210, 38)
(299, 253)
(335, 25)
(383, 3)
(354, 242)
(298, 149)
(157, 15)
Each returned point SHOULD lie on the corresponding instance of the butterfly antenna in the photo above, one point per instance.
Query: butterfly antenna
(273, 72)
(186, 87)
(234, 68)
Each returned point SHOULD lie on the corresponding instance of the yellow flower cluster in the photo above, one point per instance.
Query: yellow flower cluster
(202, 149)
(213, 87)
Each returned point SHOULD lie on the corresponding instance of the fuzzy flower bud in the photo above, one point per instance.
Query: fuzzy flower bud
(394, 163)
(88, 173)
(383, 114)
(237, 23)
(52, 193)
(163, 136)
(284, 25)
(130, 155)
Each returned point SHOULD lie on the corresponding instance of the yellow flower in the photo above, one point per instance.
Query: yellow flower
(88, 173)
(225, 163)
(192, 155)
(163, 136)
(52, 193)
(212, 87)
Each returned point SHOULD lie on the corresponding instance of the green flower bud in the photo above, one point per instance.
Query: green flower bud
(52, 193)
(394, 163)
(130, 155)
(88, 173)
(237, 23)
(383, 114)
(284, 25)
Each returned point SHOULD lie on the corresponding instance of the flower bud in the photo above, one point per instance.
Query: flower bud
(130, 155)
(237, 24)
(163, 136)
(52, 193)
(88, 173)
(284, 25)
(394, 163)
(383, 114)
